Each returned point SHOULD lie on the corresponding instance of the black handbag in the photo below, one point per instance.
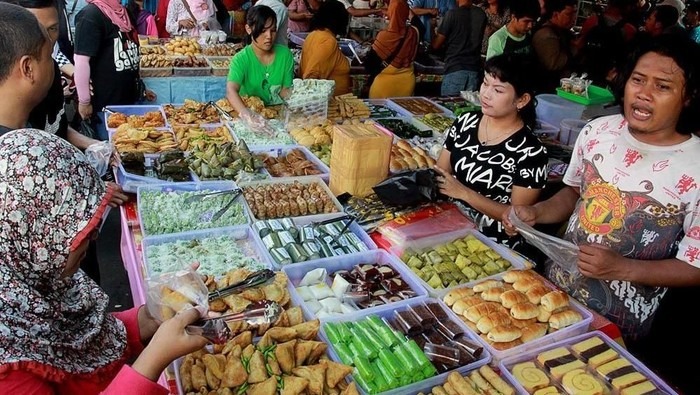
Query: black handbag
(375, 65)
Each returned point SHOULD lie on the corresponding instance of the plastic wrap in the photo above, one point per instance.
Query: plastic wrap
(170, 293)
(561, 252)
(409, 188)
(414, 226)
(99, 156)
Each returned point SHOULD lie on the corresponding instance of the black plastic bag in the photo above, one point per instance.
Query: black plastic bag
(409, 188)
(86, 129)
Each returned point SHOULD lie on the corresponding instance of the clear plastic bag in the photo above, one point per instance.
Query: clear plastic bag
(257, 123)
(170, 293)
(563, 253)
(99, 155)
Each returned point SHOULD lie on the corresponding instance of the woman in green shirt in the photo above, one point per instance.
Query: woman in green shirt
(262, 68)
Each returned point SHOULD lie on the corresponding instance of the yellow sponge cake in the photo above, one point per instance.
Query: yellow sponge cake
(559, 361)
(595, 351)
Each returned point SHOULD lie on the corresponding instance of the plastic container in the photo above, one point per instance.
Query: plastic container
(191, 71)
(424, 385)
(131, 110)
(155, 72)
(131, 182)
(152, 155)
(596, 95)
(410, 120)
(298, 38)
(530, 355)
(569, 130)
(284, 150)
(429, 106)
(242, 236)
(546, 130)
(217, 70)
(212, 186)
(297, 271)
(552, 109)
(195, 124)
(302, 180)
(553, 337)
(399, 111)
(517, 261)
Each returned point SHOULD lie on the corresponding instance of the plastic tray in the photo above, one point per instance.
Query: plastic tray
(517, 261)
(303, 180)
(411, 120)
(218, 71)
(421, 386)
(207, 128)
(596, 95)
(442, 109)
(301, 221)
(185, 187)
(559, 335)
(506, 364)
(297, 271)
(241, 234)
(277, 151)
(131, 110)
(131, 182)
(191, 71)
(298, 38)
(204, 125)
(147, 72)
(151, 155)
(400, 111)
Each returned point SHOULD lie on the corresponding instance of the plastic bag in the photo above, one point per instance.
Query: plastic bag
(257, 123)
(170, 293)
(99, 156)
(409, 188)
(427, 222)
(563, 253)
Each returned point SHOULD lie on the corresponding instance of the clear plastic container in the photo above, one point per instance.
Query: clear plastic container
(302, 180)
(131, 110)
(278, 151)
(546, 130)
(552, 109)
(297, 271)
(569, 130)
(430, 106)
(191, 71)
(424, 385)
(516, 260)
(211, 186)
(131, 182)
(218, 70)
(241, 236)
(400, 111)
(530, 355)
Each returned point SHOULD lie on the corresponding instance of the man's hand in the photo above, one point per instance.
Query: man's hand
(186, 24)
(598, 261)
(118, 196)
(85, 111)
(527, 214)
(150, 95)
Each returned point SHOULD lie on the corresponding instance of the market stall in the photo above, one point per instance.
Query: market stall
(346, 268)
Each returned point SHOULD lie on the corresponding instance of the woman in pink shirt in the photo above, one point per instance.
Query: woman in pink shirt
(300, 13)
(55, 334)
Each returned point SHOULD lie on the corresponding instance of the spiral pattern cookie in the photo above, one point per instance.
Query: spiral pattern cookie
(530, 376)
(578, 382)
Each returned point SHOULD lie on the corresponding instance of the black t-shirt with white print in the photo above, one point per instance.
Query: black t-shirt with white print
(50, 115)
(493, 170)
(114, 58)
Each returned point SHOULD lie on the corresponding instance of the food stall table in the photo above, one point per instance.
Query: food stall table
(176, 89)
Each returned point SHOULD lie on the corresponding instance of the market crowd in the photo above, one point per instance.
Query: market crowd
(629, 198)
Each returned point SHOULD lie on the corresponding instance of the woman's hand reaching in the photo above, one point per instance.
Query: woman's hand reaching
(450, 186)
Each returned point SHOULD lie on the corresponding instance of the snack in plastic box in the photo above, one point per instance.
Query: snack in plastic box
(170, 293)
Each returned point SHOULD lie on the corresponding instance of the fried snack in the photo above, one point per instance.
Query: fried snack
(267, 387)
(212, 381)
(142, 139)
(186, 374)
(295, 316)
(191, 113)
(155, 61)
(256, 365)
(234, 372)
(496, 381)
(199, 378)
(302, 350)
(318, 350)
(284, 353)
(183, 46)
(335, 373)
(316, 375)
(350, 390)
(294, 385)
(307, 330)
(243, 339)
(189, 137)
(214, 364)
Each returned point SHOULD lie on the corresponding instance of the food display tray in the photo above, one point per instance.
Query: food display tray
(400, 111)
(424, 385)
(530, 355)
(443, 110)
(131, 182)
(218, 71)
(148, 72)
(277, 151)
(131, 110)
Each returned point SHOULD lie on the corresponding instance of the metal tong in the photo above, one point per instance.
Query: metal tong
(222, 113)
(236, 192)
(217, 331)
(253, 280)
(348, 217)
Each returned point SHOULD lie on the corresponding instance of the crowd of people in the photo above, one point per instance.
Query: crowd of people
(629, 199)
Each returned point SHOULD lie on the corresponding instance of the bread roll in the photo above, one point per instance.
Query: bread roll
(493, 294)
(505, 346)
(492, 320)
(536, 293)
(524, 285)
(496, 381)
(533, 331)
(564, 318)
(523, 323)
(525, 311)
(457, 294)
(462, 305)
(512, 276)
(474, 314)
(484, 285)
(403, 144)
(504, 333)
(544, 315)
(555, 300)
(395, 166)
(512, 297)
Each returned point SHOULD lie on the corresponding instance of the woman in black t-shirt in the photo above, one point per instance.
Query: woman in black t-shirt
(490, 158)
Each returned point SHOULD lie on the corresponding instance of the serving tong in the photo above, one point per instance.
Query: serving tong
(348, 217)
(236, 192)
(258, 278)
(217, 330)
(223, 114)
